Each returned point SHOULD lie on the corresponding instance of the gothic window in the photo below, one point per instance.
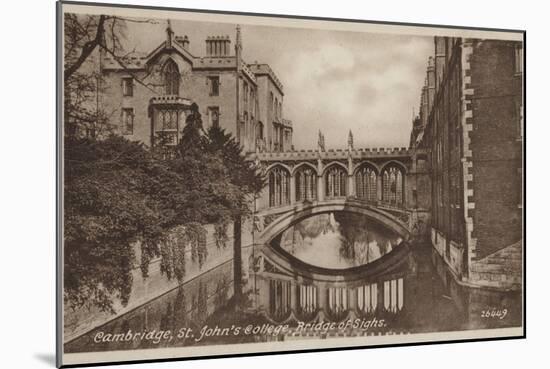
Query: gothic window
(518, 59)
(365, 183)
(280, 299)
(392, 186)
(337, 301)
(252, 102)
(245, 94)
(307, 299)
(367, 298)
(128, 86)
(128, 121)
(260, 130)
(336, 181)
(306, 184)
(171, 78)
(393, 295)
(168, 119)
(214, 116)
(279, 187)
(214, 83)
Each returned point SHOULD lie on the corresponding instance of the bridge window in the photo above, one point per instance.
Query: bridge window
(367, 298)
(392, 186)
(337, 302)
(393, 295)
(336, 182)
(171, 78)
(279, 297)
(306, 184)
(307, 299)
(279, 186)
(365, 183)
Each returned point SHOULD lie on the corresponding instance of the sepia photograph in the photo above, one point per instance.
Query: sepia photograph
(232, 184)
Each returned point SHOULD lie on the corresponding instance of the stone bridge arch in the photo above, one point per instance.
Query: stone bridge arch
(305, 210)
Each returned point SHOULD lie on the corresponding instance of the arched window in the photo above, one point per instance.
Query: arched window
(307, 301)
(367, 298)
(392, 185)
(279, 299)
(279, 186)
(365, 183)
(259, 130)
(337, 302)
(393, 295)
(171, 78)
(336, 181)
(306, 184)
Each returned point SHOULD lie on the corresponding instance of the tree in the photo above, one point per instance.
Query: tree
(85, 36)
(112, 198)
(119, 193)
(245, 177)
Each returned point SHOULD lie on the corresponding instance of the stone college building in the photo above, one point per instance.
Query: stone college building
(151, 92)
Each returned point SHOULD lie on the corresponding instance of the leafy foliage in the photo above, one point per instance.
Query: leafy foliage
(117, 193)
(110, 201)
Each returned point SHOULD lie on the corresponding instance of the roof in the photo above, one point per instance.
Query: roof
(264, 69)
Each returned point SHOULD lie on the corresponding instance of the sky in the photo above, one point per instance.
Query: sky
(334, 81)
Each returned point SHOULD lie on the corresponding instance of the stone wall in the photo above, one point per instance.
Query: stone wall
(496, 147)
(78, 322)
(502, 269)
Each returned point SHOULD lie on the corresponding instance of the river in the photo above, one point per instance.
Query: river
(415, 295)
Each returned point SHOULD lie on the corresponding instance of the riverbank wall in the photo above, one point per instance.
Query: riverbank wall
(82, 320)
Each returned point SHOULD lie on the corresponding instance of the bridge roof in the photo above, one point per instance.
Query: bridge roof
(367, 153)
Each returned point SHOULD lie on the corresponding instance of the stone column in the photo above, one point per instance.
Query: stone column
(320, 189)
(322, 297)
(293, 297)
(379, 187)
(351, 187)
(292, 190)
(352, 295)
(380, 297)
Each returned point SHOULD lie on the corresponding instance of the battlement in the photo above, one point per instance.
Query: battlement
(265, 69)
(362, 153)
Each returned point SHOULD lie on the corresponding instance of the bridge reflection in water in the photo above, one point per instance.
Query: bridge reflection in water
(410, 291)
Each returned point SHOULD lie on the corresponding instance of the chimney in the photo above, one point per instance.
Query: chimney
(183, 41)
(217, 45)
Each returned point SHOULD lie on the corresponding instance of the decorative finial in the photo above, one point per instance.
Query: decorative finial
(238, 41)
(169, 34)
(350, 140)
(321, 142)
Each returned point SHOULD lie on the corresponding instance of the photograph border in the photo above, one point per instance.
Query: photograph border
(59, 183)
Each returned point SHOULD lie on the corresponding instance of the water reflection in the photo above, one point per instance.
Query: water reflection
(417, 296)
(337, 240)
